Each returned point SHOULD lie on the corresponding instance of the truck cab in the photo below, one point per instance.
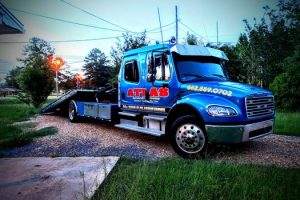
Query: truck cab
(184, 92)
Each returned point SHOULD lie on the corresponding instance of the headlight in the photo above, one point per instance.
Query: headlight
(221, 111)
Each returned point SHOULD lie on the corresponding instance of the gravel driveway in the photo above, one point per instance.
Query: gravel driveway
(93, 138)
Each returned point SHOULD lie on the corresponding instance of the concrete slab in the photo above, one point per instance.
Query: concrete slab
(53, 178)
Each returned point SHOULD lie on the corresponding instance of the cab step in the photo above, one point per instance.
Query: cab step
(140, 129)
(155, 117)
(128, 114)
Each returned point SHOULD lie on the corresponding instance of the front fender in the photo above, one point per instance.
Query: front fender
(200, 103)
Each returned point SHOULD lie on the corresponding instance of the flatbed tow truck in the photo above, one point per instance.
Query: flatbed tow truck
(182, 92)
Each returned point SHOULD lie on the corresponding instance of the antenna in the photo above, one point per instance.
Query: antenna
(217, 33)
(176, 13)
(161, 33)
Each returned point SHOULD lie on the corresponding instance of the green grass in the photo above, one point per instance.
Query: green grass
(189, 179)
(287, 123)
(15, 100)
(15, 137)
(9, 100)
(12, 110)
(16, 112)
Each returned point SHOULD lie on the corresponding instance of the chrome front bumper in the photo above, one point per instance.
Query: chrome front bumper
(238, 133)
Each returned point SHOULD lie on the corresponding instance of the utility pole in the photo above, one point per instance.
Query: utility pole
(217, 33)
(56, 81)
(161, 33)
(176, 18)
(56, 63)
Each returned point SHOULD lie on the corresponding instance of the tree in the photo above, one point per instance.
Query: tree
(36, 77)
(96, 68)
(10, 78)
(36, 52)
(269, 52)
(234, 65)
(269, 41)
(286, 86)
(36, 83)
(67, 80)
(127, 43)
(192, 39)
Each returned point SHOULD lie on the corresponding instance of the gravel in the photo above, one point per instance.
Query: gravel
(94, 138)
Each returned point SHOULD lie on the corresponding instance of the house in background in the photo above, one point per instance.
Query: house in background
(8, 91)
(9, 24)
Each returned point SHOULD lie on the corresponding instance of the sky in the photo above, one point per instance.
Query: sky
(195, 16)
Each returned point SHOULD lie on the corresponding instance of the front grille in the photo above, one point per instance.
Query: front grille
(259, 106)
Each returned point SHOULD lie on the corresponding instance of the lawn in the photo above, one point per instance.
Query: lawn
(287, 123)
(11, 135)
(203, 179)
(190, 179)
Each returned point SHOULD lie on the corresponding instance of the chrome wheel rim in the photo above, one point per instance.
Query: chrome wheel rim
(71, 112)
(190, 138)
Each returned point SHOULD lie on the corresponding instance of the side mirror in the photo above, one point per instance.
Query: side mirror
(151, 69)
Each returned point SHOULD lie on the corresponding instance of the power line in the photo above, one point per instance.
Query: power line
(158, 28)
(192, 30)
(70, 41)
(171, 28)
(80, 24)
(182, 30)
(149, 31)
(66, 41)
(63, 20)
(72, 5)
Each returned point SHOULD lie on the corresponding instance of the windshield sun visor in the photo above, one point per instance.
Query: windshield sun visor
(195, 50)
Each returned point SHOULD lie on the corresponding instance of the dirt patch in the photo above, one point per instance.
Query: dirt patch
(94, 138)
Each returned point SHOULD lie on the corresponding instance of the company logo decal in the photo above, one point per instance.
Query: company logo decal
(196, 88)
(153, 92)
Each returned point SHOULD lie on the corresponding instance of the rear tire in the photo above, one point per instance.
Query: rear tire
(188, 137)
(72, 112)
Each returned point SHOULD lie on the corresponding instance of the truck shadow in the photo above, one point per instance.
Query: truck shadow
(217, 151)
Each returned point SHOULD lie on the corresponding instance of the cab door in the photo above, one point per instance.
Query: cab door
(131, 92)
(162, 87)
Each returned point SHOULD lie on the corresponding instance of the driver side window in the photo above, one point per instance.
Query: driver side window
(158, 67)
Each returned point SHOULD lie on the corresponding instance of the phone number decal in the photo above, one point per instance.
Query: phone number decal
(209, 90)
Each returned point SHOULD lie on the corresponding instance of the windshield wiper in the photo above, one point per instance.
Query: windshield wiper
(197, 75)
(219, 75)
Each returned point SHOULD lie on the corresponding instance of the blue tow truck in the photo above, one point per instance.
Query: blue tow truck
(182, 92)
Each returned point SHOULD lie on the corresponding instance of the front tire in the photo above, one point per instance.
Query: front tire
(188, 137)
(72, 112)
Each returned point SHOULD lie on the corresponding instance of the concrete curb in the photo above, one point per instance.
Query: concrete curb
(53, 178)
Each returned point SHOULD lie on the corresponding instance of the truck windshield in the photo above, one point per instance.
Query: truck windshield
(196, 68)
